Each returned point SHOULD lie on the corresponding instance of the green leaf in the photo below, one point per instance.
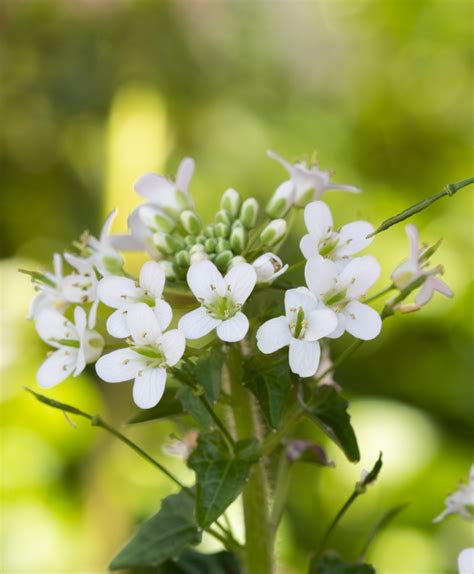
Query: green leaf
(192, 404)
(168, 406)
(163, 536)
(269, 382)
(221, 474)
(330, 563)
(204, 372)
(330, 413)
(192, 562)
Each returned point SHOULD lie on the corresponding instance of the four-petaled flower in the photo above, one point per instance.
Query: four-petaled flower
(301, 328)
(221, 299)
(76, 345)
(268, 267)
(122, 293)
(146, 358)
(322, 239)
(339, 289)
(307, 182)
(460, 501)
(414, 267)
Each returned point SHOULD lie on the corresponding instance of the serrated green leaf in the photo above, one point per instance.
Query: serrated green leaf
(192, 404)
(192, 562)
(330, 412)
(330, 563)
(168, 406)
(163, 536)
(204, 372)
(269, 382)
(221, 474)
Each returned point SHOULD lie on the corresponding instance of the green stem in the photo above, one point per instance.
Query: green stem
(258, 554)
(220, 425)
(282, 481)
(380, 294)
(449, 190)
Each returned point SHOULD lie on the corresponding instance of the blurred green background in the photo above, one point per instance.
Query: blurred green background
(93, 94)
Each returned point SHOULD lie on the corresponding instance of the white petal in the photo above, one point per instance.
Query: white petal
(321, 275)
(104, 233)
(119, 366)
(362, 321)
(184, 174)
(273, 335)
(425, 294)
(143, 324)
(173, 345)
(358, 276)
(125, 242)
(412, 232)
(152, 278)
(149, 387)
(205, 280)
(57, 367)
(80, 320)
(79, 288)
(300, 297)
(353, 238)
(50, 324)
(466, 561)
(233, 329)
(338, 186)
(341, 327)
(309, 246)
(118, 291)
(318, 219)
(117, 324)
(304, 357)
(197, 324)
(164, 313)
(58, 266)
(321, 322)
(287, 165)
(240, 281)
(153, 186)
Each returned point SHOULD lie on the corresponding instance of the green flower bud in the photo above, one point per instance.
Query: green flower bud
(222, 245)
(198, 248)
(238, 239)
(166, 243)
(156, 220)
(210, 245)
(190, 221)
(190, 240)
(273, 232)
(209, 231)
(249, 212)
(168, 269)
(201, 239)
(222, 230)
(281, 200)
(182, 258)
(231, 202)
(237, 224)
(236, 260)
(223, 259)
(223, 217)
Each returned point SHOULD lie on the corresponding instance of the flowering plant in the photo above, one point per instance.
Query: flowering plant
(203, 331)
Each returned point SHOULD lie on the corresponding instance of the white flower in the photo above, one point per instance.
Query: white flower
(340, 289)
(268, 267)
(459, 501)
(307, 182)
(221, 299)
(466, 561)
(414, 267)
(146, 358)
(322, 239)
(303, 325)
(56, 291)
(122, 293)
(75, 345)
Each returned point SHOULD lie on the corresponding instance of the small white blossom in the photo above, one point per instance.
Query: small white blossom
(414, 267)
(301, 328)
(268, 267)
(322, 239)
(122, 293)
(146, 358)
(340, 290)
(461, 501)
(221, 299)
(76, 345)
(307, 182)
(466, 561)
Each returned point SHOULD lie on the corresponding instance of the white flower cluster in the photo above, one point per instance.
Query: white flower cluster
(222, 263)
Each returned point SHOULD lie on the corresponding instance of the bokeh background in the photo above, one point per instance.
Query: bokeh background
(93, 94)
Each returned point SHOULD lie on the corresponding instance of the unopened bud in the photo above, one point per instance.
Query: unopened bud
(273, 232)
(190, 221)
(281, 200)
(209, 231)
(231, 202)
(168, 269)
(166, 243)
(268, 267)
(223, 259)
(222, 230)
(238, 239)
(210, 245)
(199, 256)
(223, 217)
(222, 245)
(182, 258)
(236, 261)
(249, 212)
(237, 224)
(156, 220)
(201, 239)
(190, 240)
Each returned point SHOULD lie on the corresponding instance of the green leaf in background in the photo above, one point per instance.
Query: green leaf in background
(330, 413)
(168, 406)
(192, 404)
(192, 562)
(205, 372)
(330, 563)
(269, 382)
(221, 474)
(163, 536)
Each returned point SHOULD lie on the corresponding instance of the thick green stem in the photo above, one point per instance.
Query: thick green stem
(258, 553)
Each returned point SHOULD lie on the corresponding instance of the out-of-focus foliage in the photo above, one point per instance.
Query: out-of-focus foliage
(93, 93)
